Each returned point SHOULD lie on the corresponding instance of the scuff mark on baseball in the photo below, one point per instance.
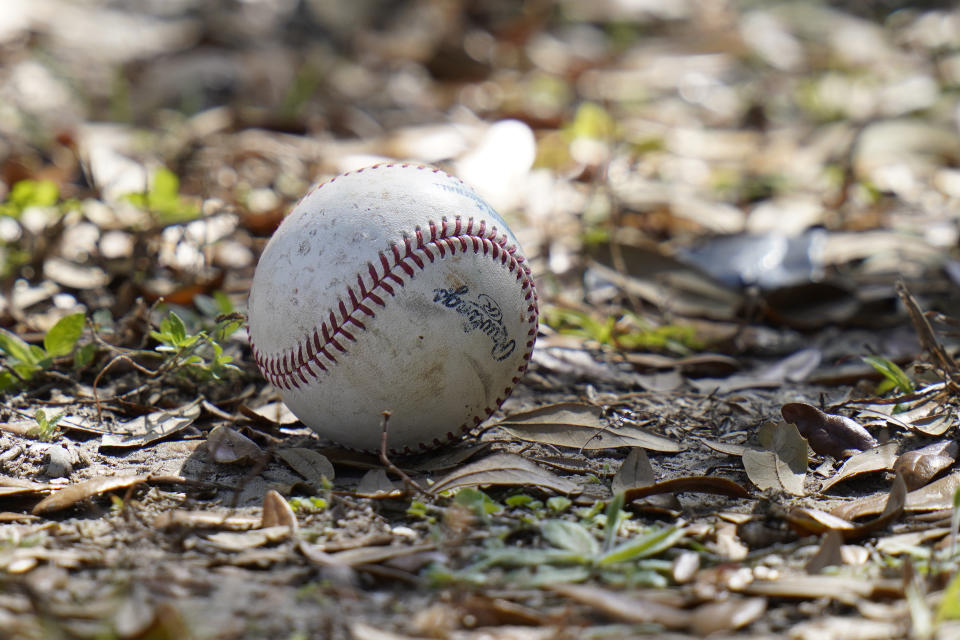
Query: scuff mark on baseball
(393, 288)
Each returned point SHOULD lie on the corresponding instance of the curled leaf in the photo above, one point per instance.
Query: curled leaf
(921, 465)
(815, 521)
(875, 459)
(229, 446)
(828, 434)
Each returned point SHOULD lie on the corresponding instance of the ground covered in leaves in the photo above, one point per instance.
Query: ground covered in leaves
(740, 418)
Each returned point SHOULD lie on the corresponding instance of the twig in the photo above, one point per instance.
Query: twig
(385, 460)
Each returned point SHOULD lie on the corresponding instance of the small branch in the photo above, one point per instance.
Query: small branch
(408, 482)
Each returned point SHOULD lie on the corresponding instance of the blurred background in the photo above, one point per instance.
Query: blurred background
(674, 157)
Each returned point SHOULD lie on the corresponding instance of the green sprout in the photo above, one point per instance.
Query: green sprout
(46, 428)
(894, 376)
(198, 354)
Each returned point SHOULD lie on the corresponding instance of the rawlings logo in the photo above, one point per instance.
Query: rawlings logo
(483, 315)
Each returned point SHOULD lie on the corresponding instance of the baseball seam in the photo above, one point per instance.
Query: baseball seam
(319, 350)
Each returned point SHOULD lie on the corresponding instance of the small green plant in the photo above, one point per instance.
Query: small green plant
(480, 504)
(311, 504)
(22, 361)
(198, 354)
(893, 376)
(46, 428)
(30, 193)
(574, 552)
(627, 331)
(163, 199)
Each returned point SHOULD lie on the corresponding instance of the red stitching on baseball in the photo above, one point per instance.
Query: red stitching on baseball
(291, 368)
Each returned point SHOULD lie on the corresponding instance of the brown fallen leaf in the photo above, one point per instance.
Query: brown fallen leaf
(311, 464)
(692, 484)
(729, 614)
(228, 446)
(6, 482)
(277, 513)
(920, 466)
(794, 368)
(205, 520)
(143, 430)
(783, 464)
(808, 521)
(625, 608)
(876, 459)
(9, 516)
(504, 469)
(580, 426)
(828, 434)
(636, 471)
(728, 448)
(375, 483)
(841, 588)
(242, 541)
(828, 553)
(935, 496)
(376, 555)
(72, 494)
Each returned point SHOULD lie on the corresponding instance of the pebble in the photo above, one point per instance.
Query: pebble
(58, 462)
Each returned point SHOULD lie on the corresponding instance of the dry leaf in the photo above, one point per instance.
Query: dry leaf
(908, 542)
(692, 484)
(275, 412)
(146, 429)
(828, 434)
(623, 607)
(726, 615)
(72, 494)
(375, 483)
(635, 471)
(828, 553)
(205, 520)
(816, 521)
(277, 513)
(921, 465)
(376, 555)
(236, 541)
(312, 465)
(580, 426)
(784, 465)
(446, 458)
(840, 588)
(794, 368)
(933, 497)
(875, 459)
(228, 446)
(724, 447)
(504, 469)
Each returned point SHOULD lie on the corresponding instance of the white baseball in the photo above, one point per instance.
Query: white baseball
(393, 288)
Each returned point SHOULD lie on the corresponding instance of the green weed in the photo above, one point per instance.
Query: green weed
(626, 331)
(197, 354)
(893, 376)
(22, 361)
(46, 428)
(163, 200)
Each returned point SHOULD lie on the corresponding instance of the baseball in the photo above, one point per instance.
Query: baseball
(392, 288)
